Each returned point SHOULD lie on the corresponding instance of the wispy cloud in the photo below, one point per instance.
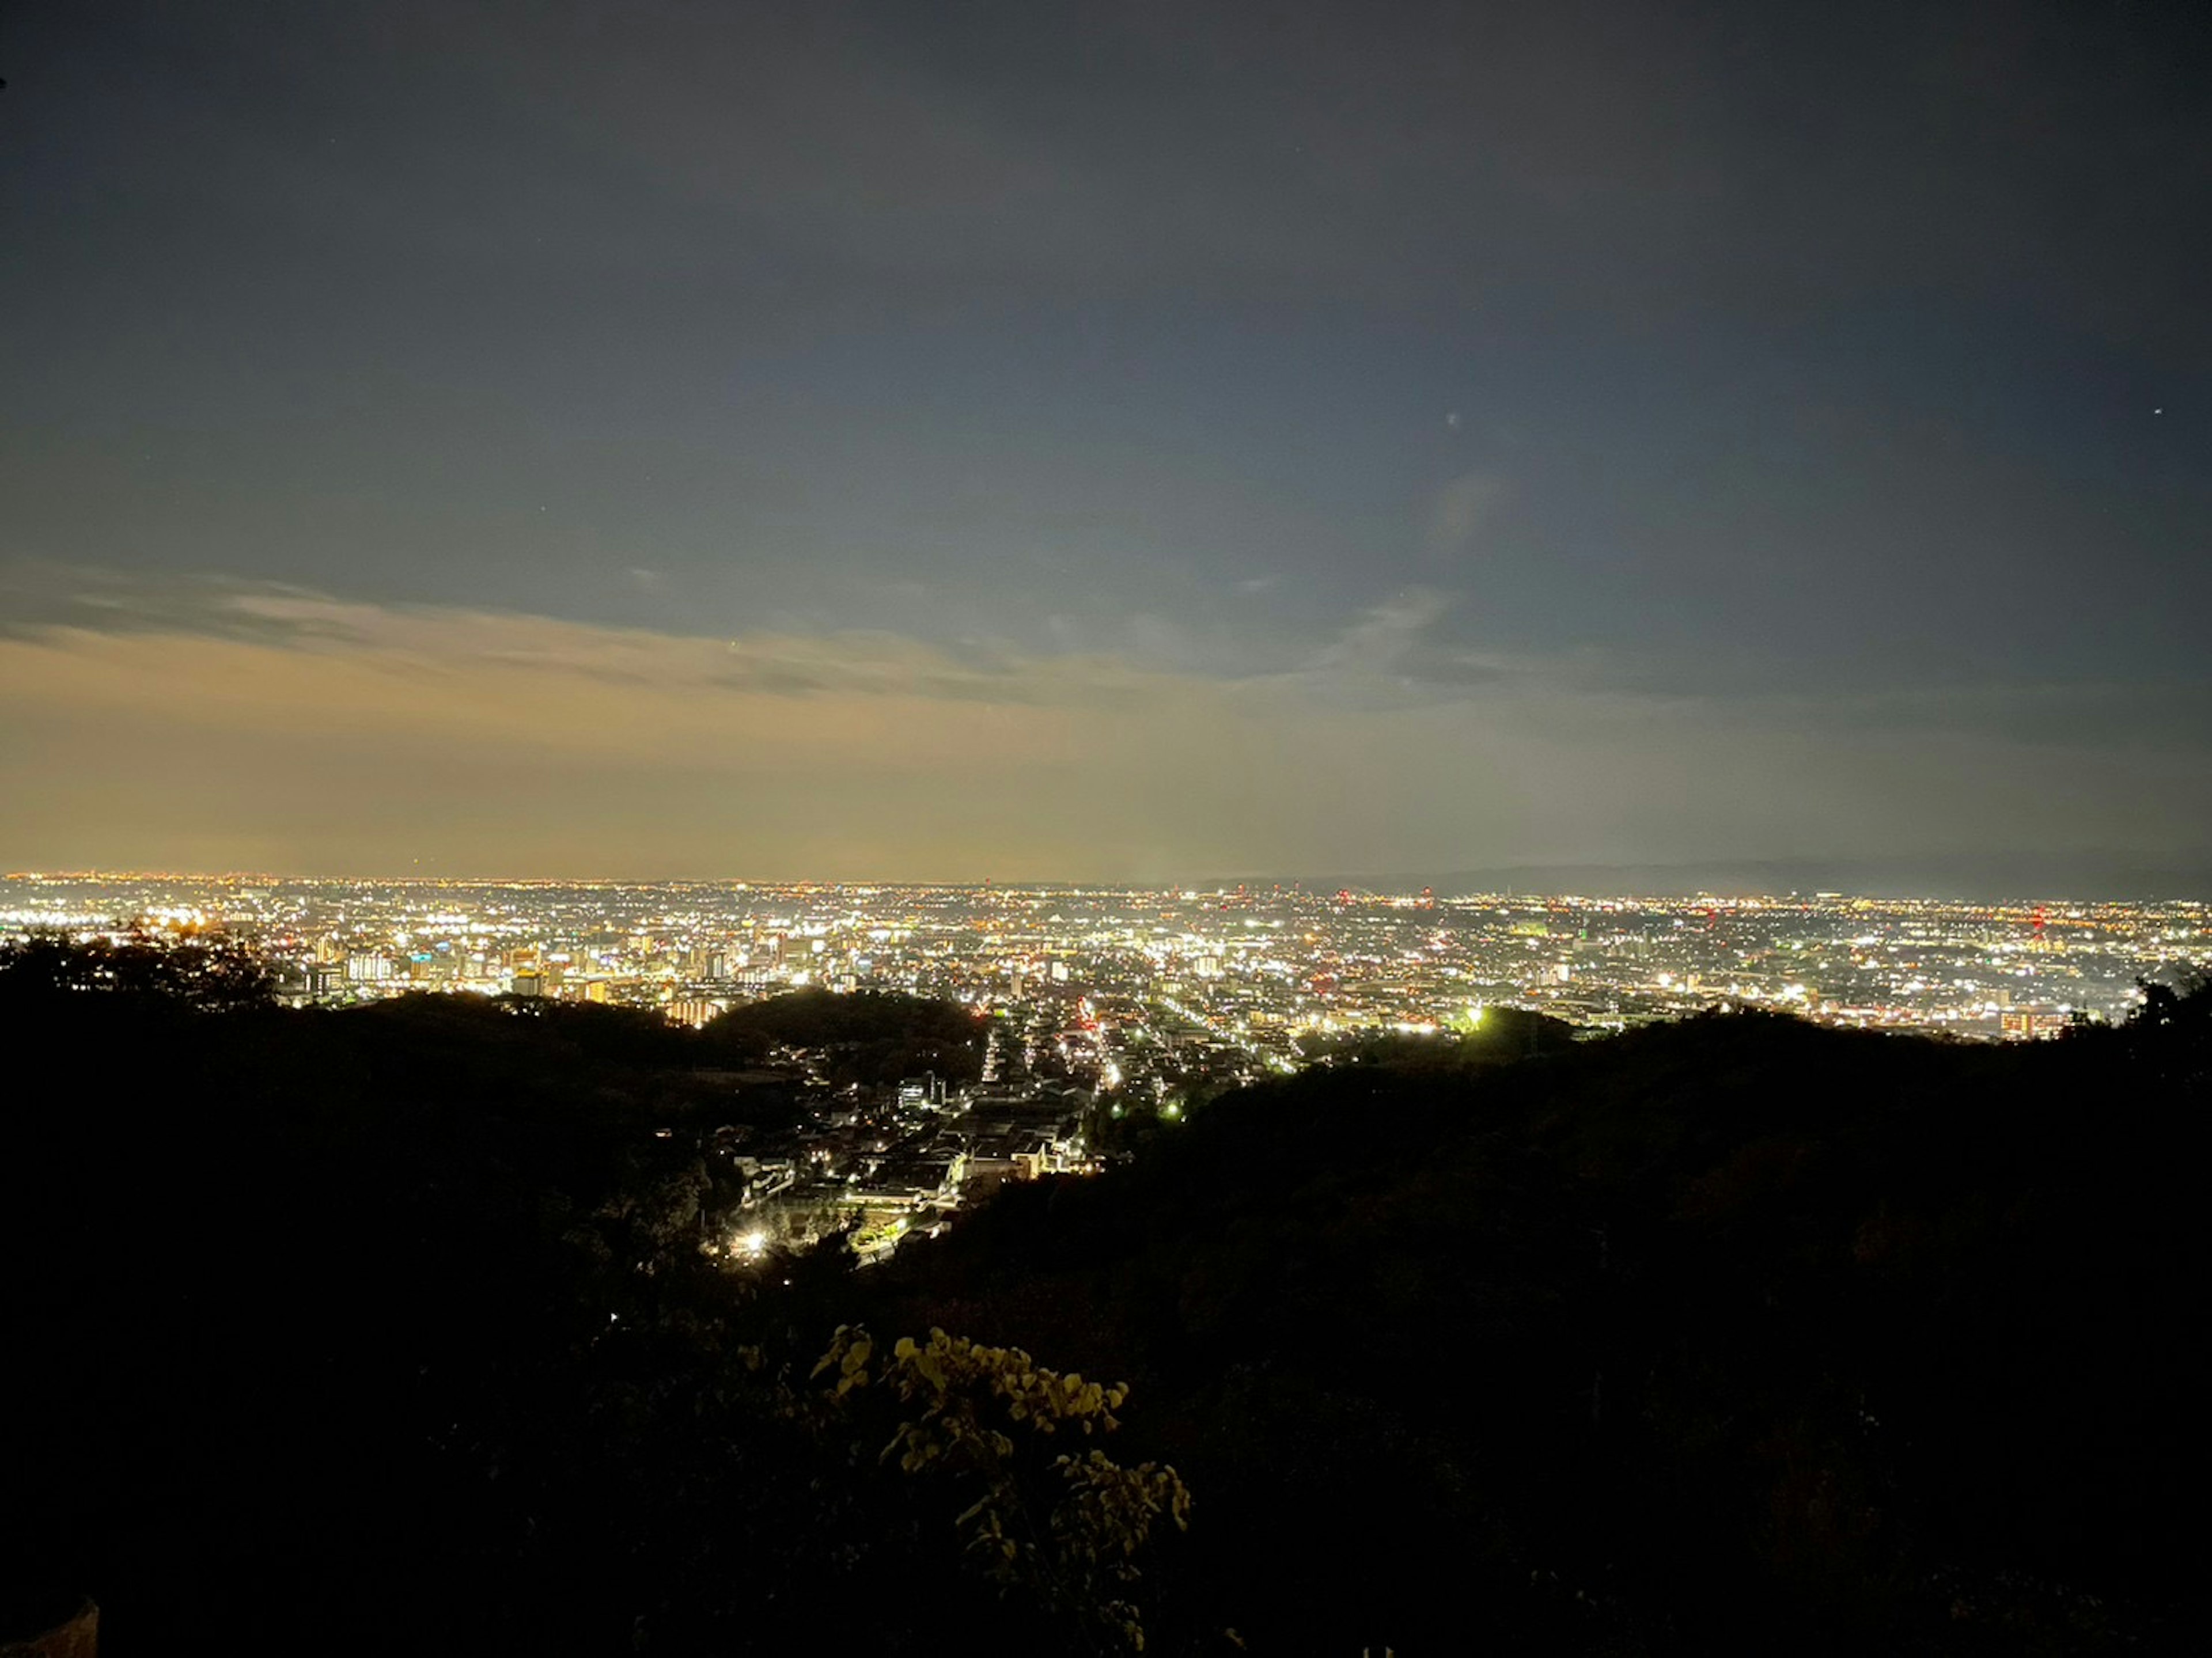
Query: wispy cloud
(1380, 641)
(324, 732)
(437, 640)
(1392, 653)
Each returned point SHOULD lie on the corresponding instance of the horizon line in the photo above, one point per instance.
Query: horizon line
(1373, 886)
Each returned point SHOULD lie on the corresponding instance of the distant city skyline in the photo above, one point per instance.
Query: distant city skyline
(1252, 974)
(2084, 878)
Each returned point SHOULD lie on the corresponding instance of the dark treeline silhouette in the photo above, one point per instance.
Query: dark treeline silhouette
(870, 1036)
(1501, 1034)
(211, 972)
(388, 1328)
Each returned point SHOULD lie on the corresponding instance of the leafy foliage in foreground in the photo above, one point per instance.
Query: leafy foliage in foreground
(1067, 1530)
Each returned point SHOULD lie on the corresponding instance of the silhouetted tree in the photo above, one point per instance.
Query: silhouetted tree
(215, 973)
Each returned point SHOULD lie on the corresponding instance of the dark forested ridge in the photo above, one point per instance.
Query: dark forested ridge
(388, 1328)
(873, 1036)
(1732, 1334)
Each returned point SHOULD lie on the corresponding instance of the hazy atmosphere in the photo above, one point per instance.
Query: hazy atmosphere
(1038, 442)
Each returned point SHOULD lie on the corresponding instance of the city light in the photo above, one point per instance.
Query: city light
(1094, 996)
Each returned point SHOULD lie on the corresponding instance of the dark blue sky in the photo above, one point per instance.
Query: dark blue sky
(1218, 437)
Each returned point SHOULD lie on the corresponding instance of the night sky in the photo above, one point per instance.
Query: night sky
(1156, 441)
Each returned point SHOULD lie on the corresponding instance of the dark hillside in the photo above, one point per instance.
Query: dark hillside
(870, 1036)
(387, 1330)
(1736, 1333)
(260, 1269)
